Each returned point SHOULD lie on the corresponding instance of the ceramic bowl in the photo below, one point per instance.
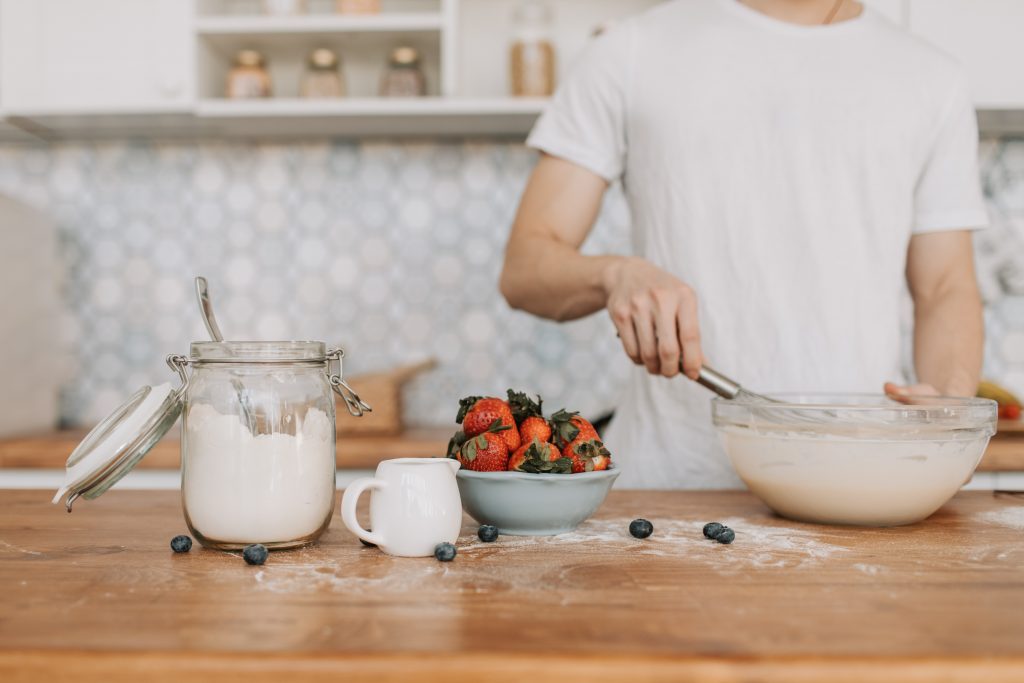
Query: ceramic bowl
(524, 504)
(853, 459)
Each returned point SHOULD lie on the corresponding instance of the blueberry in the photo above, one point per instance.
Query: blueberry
(255, 553)
(488, 533)
(445, 552)
(641, 528)
(726, 536)
(181, 544)
(712, 529)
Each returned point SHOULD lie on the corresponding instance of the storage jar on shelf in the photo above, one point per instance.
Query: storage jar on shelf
(404, 76)
(357, 6)
(248, 78)
(532, 57)
(323, 76)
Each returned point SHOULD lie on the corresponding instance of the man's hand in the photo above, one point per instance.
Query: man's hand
(545, 273)
(905, 394)
(656, 316)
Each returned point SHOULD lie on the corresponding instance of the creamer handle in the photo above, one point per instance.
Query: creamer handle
(349, 501)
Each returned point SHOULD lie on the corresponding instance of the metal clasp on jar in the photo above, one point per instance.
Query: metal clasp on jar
(355, 405)
(180, 364)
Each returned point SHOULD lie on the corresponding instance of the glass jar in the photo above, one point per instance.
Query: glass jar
(257, 444)
(283, 8)
(322, 77)
(357, 6)
(248, 77)
(404, 77)
(532, 58)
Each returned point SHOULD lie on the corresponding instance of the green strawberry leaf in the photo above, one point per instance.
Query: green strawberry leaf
(523, 406)
(473, 447)
(465, 405)
(562, 427)
(496, 426)
(455, 443)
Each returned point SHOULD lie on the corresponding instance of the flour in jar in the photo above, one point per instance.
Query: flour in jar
(266, 488)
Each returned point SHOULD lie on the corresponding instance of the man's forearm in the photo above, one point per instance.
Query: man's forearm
(553, 280)
(949, 340)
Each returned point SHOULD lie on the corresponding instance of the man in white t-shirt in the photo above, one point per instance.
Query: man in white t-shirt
(789, 165)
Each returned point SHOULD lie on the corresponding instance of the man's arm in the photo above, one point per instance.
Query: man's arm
(948, 325)
(545, 273)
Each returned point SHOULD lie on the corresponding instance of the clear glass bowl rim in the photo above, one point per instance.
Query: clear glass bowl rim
(946, 411)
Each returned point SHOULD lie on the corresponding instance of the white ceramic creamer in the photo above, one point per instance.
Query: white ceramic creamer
(414, 505)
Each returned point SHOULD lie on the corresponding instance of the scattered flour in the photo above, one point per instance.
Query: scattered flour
(15, 548)
(530, 562)
(1011, 516)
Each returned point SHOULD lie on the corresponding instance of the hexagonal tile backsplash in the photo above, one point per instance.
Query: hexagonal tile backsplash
(391, 250)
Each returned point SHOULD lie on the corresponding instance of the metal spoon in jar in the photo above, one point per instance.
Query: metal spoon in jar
(206, 309)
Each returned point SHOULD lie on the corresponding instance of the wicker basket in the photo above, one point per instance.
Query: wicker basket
(383, 391)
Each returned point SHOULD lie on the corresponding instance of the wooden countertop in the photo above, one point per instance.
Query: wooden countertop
(1005, 452)
(97, 596)
(353, 452)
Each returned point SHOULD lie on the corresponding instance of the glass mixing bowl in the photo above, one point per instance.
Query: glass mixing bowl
(854, 458)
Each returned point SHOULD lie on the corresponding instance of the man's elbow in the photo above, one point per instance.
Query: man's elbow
(509, 287)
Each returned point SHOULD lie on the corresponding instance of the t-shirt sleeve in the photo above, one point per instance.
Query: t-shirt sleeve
(948, 194)
(585, 123)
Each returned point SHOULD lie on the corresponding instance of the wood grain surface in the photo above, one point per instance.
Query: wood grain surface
(97, 596)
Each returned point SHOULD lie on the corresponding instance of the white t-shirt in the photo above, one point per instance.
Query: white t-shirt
(780, 170)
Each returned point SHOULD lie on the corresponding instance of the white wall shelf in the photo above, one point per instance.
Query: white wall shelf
(411, 107)
(417, 117)
(317, 24)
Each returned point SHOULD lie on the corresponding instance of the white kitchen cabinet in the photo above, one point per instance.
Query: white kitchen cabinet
(70, 57)
(985, 35)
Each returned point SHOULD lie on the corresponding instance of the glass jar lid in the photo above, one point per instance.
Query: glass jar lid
(120, 441)
(405, 56)
(258, 352)
(323, 59)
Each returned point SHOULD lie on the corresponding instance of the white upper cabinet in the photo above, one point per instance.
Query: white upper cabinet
(90, 56)
(986, 36)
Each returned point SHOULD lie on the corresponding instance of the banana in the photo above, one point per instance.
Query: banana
(997, 393)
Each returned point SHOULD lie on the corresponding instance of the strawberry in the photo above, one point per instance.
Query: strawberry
(485, 452)
(539, 457)
(523, 407)
(477, 415)
(1009, 412)
(568, 427)
(587, 455)
(535, 428)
